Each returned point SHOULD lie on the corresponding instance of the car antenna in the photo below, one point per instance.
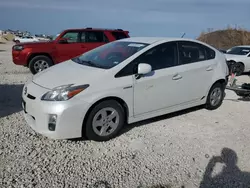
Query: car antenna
(183, 35)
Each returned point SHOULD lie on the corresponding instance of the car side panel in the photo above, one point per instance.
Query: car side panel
(121, 88)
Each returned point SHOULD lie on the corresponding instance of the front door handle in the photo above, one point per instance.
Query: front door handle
(177, 77)
(209, 68)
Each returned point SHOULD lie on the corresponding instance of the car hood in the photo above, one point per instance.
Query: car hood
(67, 72)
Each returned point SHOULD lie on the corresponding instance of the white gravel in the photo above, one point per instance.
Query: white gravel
(171, 150)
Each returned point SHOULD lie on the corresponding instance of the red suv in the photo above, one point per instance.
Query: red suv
(69, 44)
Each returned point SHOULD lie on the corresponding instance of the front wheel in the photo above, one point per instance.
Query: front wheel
(238, 68)
(215, 96)
(104, 121)
(39, 63)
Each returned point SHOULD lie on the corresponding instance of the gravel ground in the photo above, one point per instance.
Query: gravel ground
(171, 151)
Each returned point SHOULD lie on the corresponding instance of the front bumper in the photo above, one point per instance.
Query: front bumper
(19, 57)
(70, 114)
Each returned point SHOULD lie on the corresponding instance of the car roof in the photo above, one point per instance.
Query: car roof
(151, 40)
(94, 29)
(243, 46)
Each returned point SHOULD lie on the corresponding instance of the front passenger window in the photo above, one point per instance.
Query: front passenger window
(161, 56)
(71, 36)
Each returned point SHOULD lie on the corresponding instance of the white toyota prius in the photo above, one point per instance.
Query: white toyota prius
(94, 95)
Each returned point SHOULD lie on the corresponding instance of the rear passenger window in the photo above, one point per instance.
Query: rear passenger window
(119, 35)
(95, 36)
(191, 52)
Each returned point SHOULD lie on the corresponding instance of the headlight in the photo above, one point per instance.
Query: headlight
(18, 47)
(63, 93)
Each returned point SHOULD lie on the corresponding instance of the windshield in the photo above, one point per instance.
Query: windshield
(109, 55)
(238, 51)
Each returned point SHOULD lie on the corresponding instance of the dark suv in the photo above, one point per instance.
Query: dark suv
(67, 45)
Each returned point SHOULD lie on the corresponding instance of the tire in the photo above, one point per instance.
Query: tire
(220, 88)
(238, 68)
(43, 60)
(91, 133)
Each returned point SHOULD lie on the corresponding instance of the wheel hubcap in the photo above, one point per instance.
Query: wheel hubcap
(105, 121)
(215, 96)
(40, 65)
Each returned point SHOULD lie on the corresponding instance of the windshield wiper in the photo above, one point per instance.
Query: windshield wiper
(91, 63)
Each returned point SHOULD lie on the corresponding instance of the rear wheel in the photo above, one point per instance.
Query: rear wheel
(39, 63)
(104, 121)
(215, 96)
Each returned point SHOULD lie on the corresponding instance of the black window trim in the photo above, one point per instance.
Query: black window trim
(206, 48)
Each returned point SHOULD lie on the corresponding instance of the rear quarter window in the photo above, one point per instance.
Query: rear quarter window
(119, 35)
(210, 53)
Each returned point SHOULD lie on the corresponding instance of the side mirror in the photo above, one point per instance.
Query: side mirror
(63, 41)
(144, 68)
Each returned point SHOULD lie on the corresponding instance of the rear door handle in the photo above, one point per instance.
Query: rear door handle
(177, 77)
(209, 68)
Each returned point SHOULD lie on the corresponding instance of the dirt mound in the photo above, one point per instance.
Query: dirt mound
(2, 40)
(227, 38)
(9, 37)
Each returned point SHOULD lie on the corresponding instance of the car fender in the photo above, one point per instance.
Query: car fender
(127, 97)
(245, 60)
(38, 51)
(213, 82)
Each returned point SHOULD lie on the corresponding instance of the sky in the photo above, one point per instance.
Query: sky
(167, 18)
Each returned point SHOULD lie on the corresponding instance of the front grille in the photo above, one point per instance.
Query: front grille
(31, 97)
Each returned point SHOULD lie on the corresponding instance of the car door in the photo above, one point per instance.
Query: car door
(196, 67)
(160, 89)
(70, 49)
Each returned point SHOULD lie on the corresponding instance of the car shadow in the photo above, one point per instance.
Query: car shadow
(128, 127)
(105, 184)
(10, 99)
(230, 175)
(245, 74)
